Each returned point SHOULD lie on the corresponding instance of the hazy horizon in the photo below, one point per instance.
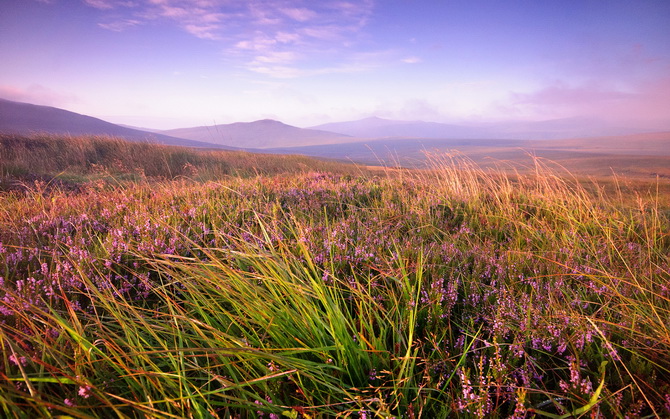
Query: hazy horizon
(166, 64)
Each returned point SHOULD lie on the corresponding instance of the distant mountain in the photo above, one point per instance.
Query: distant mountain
(375, 127)
(25, 118)
(265, 133)
(534, 130)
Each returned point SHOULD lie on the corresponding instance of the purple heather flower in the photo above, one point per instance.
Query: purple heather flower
(85, 391)
(21, 360)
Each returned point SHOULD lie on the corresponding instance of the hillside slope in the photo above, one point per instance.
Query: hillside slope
(24, 119)
(265, 133)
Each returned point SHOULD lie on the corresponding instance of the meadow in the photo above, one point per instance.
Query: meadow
(140, 280)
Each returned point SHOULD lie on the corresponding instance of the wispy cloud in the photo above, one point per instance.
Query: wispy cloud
(326, 32)
(200, 18)
(278, 71)
(299, 14)
(119, 25)
(100, 4)
(277, 57)
(37, 94)
(359, 11)
(563, 95)
(109, 4)
(264, 36)
(287, 37)
(259, 42)
(645, 101)
(286, 65)
(411, 60)
(203, 31)
(290, 72)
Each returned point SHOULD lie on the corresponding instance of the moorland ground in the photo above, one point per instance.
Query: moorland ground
(144, 280)
(645, 156)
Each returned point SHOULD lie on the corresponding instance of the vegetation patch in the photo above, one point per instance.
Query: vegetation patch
(306, 292)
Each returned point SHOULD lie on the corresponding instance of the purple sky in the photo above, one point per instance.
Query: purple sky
(177, 63)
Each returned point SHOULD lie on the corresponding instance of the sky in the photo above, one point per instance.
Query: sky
(179, 63)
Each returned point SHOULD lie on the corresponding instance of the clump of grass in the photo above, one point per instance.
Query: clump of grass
(454, 291)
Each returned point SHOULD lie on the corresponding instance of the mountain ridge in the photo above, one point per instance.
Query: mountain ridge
(552, 129)
(26, 118)
(266, 134)
(263, 133)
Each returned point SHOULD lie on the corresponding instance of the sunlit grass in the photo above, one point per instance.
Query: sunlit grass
(70, 161)
(455, 291)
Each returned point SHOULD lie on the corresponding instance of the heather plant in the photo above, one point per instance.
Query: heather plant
(451, 291)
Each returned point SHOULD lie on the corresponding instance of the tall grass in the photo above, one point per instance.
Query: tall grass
(73, 160)
(454, 291)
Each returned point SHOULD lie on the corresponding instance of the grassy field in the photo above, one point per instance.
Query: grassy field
(72, 161)
(261, 286)
(643, 156)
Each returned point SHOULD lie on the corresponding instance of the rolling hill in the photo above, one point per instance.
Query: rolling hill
(266, 133)
(385, 141)
(24, 118)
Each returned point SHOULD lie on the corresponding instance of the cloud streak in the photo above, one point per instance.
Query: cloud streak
(645, 102)
(411, 60)
(119, 25)
(100, 4)
(109, 4)
(37, 94)
(253, 31)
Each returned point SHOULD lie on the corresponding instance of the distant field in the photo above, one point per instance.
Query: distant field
(576, 162)
(656, 143)
(640, 155)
